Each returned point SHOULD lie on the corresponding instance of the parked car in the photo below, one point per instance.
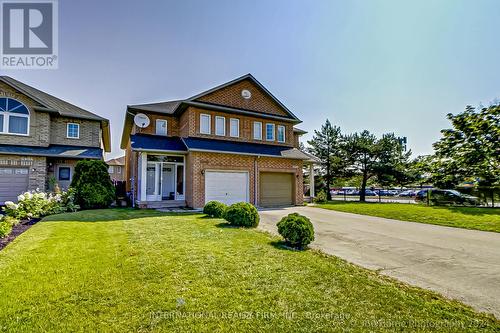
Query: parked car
(407, 193)
(368, 193)
(447, 197)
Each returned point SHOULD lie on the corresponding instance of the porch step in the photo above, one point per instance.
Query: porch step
(162, 204)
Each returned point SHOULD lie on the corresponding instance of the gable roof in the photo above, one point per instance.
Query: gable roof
(177, 107)
(56, 105)
(253, 80)
(116, 161)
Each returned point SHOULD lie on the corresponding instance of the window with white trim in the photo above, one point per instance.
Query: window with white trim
(161, 127)
(111, 169)
(64, 173)
(281, 133)
(73, 131)
(220, 125)
(14, 117)
(234, 127)
(205, 123)
(269, 132)
(118, 169)
(257, 130)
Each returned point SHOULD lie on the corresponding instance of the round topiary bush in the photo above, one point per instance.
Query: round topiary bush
(214, 209)
(242, 214)
(297, 230)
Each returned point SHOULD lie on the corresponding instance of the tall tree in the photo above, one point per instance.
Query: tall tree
(371, 157)
(472, 147)
(326, 145)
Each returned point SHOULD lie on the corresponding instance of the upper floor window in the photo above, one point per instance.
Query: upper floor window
(14, 117)
(269, 132)
(220, 126)
(281, 133)
(257, 130)
(234, 129)
(73, 131)
(111, 169)
(161, 127)
(205, 124)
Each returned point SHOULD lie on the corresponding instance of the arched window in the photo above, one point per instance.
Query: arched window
(14, 117)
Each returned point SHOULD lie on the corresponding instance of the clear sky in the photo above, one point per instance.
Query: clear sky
(386, 66)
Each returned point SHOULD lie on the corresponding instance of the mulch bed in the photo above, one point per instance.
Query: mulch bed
(16, 231)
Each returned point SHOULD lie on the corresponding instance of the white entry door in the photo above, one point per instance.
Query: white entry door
(226, 186)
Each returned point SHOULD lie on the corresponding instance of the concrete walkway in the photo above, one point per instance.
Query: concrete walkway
(457, 263)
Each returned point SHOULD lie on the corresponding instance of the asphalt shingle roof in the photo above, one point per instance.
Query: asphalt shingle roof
(156, 142)
(53, 151)
(51, 102)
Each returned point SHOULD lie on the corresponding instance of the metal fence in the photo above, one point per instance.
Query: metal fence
(469, 196)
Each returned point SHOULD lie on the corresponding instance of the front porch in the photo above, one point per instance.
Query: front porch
(161, 182)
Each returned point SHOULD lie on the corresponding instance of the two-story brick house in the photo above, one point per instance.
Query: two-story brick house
(42, 137)
(116, 168)
(235, 142)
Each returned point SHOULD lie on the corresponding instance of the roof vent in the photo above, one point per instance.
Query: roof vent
(246, 94)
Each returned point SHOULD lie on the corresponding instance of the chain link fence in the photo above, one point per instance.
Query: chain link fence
(462, 196)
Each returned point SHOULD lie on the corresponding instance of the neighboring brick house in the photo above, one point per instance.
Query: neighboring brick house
(235, 142)
(116, 169)
(42, 138)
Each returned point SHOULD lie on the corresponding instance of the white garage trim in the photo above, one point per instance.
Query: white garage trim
(228, 191)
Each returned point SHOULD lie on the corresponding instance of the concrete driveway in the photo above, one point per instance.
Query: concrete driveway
(458, 263)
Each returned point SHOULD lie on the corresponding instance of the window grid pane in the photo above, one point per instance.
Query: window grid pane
(270, 132)
(235, 128)
(18, 125)
(161, 127)
(73, 130)
(220, 126)
(257, 131)
(204, 124)
(281, 133)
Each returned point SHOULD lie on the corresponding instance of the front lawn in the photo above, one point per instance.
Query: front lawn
(486, 219)
(128, 270)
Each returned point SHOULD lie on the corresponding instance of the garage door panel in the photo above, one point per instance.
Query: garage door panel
(276, 189)
(13, 181)
(226, 186)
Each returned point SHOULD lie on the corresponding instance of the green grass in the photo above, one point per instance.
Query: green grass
(125, 270)
(486, 219)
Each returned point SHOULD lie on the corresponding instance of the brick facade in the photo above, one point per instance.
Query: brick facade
(231, 96)
(187, 124)
(45, 128)
(198, 162)
(36, 165)
(89, 132)
(39, 122)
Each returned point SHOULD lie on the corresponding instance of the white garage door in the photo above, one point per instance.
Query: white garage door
(226, 186)
(13, 181)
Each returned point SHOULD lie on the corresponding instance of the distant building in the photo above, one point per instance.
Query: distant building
(116, 169)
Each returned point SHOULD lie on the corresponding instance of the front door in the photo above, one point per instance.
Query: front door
(168, 182)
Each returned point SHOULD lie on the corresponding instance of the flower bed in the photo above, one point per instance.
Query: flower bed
(29, 209)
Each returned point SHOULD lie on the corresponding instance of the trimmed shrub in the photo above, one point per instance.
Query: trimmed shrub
(242, 214)
(320, 197)
(5, 228)
(214, 209)
(297, 230)
(92, 184)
